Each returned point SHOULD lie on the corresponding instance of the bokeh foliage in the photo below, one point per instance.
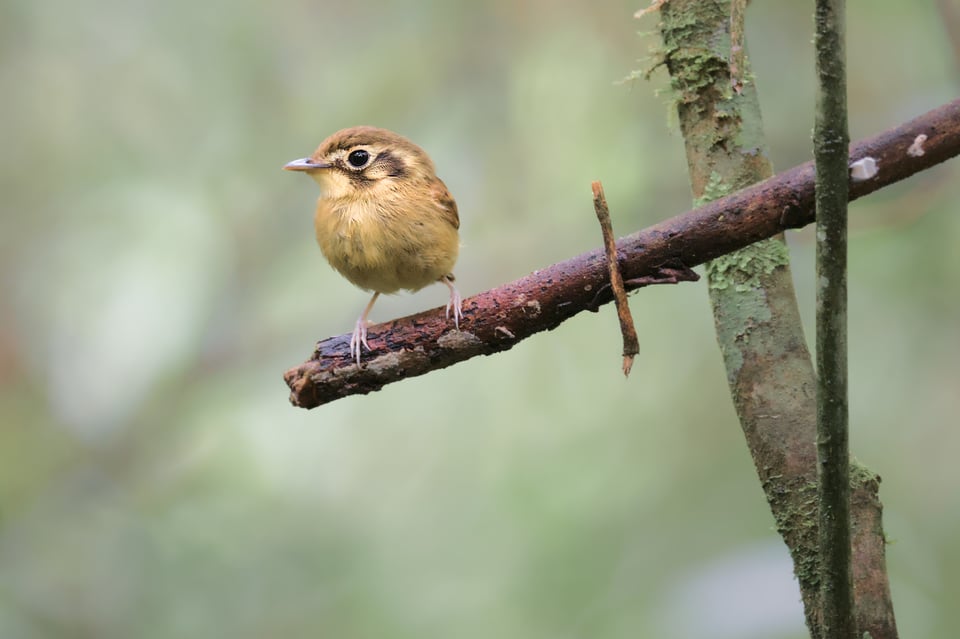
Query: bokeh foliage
(158, 273)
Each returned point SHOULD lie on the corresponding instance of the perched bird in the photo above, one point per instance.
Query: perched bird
(384, 219)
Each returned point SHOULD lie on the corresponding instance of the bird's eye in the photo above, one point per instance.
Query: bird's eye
(358, 158)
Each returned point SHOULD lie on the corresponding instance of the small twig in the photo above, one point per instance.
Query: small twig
(655, 5)
(950, 19)
(672, 272)
(631, 345)
(737, 54)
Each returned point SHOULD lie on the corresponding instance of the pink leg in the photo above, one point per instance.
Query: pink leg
(360, 331)
(455, 303)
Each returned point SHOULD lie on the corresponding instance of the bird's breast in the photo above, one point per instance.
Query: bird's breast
(385, 245)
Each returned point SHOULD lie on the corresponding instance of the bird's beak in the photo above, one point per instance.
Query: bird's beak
(305, 164)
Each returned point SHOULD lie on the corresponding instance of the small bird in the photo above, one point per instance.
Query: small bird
(384, 219)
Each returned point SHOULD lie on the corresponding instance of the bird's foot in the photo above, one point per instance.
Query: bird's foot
(455, 305)
(358, 339)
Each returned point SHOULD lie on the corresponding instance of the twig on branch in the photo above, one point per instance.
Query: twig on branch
(737, 53)
(630, 344)
(950, 19)
(499, 318)
(655, 5)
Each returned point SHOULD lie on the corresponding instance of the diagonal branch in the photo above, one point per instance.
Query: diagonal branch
(498, 319)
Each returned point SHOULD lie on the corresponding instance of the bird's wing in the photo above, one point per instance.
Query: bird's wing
(448, 206)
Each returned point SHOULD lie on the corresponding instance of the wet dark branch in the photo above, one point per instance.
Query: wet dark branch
(498, 319)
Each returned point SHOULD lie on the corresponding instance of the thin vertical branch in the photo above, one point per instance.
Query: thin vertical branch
(738, 55)
(831, 140)
(950, 19)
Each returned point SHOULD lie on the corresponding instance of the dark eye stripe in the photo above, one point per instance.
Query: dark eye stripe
(393, 165)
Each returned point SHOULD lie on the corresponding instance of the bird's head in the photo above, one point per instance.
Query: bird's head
(362, 158)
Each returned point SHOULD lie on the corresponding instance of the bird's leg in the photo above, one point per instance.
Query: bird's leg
(455, 302)
(360, 331)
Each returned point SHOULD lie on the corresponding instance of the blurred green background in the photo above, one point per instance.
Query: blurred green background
(158, 274)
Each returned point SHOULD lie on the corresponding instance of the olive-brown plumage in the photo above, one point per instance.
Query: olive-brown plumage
(384, 220)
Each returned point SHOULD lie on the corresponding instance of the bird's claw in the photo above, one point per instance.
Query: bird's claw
(358, 339)
(455, 304)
